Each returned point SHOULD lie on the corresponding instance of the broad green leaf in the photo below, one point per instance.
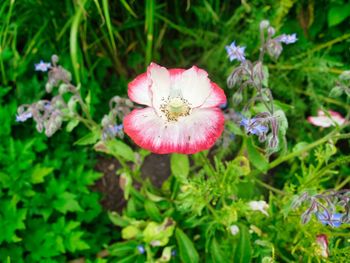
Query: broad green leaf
(152, 211)
(180, 166)
(159, 234)
(216, 253)
(120, 149)
(130, 232)
(187, 250)
(122, 248)
(117, 219)
(243, 250)
(256, 158)
(90, 138)
(152, 197)
(337, 14)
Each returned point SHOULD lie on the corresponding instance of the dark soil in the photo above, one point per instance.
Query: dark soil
(155, 167)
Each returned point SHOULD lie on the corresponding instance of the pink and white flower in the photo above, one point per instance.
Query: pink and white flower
(323, 120)
(182, 113)
(322, 242)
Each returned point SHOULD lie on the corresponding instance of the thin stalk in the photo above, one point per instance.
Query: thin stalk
(287, 157)
(149, 28)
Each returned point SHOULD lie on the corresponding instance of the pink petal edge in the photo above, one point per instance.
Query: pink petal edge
(138, 134)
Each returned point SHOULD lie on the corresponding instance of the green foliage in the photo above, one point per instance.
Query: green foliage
(49, 212)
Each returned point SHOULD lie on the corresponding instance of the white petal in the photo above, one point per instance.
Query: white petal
(195, 86)
(160, 85)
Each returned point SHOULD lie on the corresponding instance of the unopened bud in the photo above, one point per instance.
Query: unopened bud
(264, 24)
(48, 87)
(63, 88)
(54, 59)
(274, 49)
(271, 31)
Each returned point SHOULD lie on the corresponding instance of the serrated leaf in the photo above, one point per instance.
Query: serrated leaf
(187, 250)
(256, 158)
(12, 219)
(67, 202)
(39, 173)
(180, 166)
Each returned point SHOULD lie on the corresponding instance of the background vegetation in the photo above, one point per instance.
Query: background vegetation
(50, 211)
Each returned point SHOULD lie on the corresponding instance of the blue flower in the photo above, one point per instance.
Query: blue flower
(252, 126)
(334, 220)
(141, 249)
(42, 66)
(117, 128)
(23, 116)
(287, 39)
(235, 52)
(112, 130)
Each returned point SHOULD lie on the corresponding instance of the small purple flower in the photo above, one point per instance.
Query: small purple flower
(287, 39)
(334, 220)
(253, 126)
(235, 52)
(173, 253)
(42, 66)
(141, 249)
(24, 116)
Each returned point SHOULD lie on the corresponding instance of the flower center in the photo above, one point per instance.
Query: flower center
(175, 108)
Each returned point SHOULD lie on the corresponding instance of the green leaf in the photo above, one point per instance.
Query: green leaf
(12, 219)
(39, 173)
(337, 14)
(117, 219)
(187, 250)
(120, 149)
(180, 166)
(234, 128)
(90, 138)
(122, 248)
(257, 159)
(67, 202)
(243, 250)
(216, 252)
(152, 211)
(71, 125)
